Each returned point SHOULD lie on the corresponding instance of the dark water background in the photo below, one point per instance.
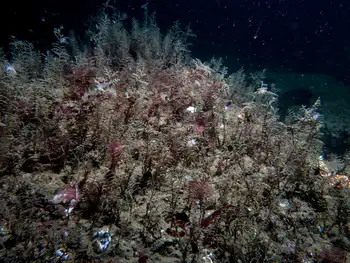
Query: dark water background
(303, 36)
